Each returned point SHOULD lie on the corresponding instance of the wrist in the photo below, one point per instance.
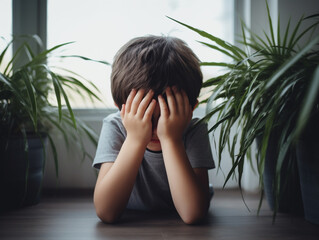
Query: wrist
(135, 143)
(170, 137)
(171, 142)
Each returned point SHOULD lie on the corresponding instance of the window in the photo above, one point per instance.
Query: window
(6, 29)
(100, 27)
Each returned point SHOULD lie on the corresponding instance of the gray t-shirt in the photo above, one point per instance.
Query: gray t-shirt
(151, 190)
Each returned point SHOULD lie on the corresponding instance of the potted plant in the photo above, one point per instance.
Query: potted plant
(34, 99)
(270, 90)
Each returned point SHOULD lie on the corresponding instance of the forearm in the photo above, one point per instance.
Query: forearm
(189, 196)
(113, 190)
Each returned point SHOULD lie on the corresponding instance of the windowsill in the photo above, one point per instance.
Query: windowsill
(87, 114)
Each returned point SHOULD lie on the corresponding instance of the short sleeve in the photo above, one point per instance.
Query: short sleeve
(111, 140)
(198, 147)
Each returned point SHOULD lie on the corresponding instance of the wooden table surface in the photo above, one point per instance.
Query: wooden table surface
(73, 217)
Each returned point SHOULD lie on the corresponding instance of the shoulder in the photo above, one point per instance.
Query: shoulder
(196, 133)
(196, 126)
(113, 122)
(114, 118)
(197, 145)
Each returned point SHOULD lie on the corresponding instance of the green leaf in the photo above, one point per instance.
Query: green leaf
(218, 64)
(283, 68)
(221, 50)
(79, 84)
(278, 35)
(55, 155)
(7, 70)
(214, 81)
(86, 59)
(27, 90)
(284, 47)
(28, 82)
(5, 51)
(235, 50)
(56, 123)
(302, 34)
(56, 86)
(291, 42)
(308, 102)
(270, 26)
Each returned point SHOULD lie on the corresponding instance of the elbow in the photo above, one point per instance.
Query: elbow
(106, 213)
(109, 217)
(195, 214)
(191, 219)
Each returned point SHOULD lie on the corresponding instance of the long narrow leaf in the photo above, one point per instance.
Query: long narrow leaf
(302, 34)
(270, 26)
(56, 86)
(218, 64)
(55, 156)
(292, 38)
(221, 50)
(278, 34)
(308, 103)
(66, 99)
(235, 50)
(32, 98)
(86, 59)
(284, 46)
(283, 68)
(3, 53)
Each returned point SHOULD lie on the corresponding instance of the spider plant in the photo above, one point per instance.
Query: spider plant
(34, 95)
(270, 85)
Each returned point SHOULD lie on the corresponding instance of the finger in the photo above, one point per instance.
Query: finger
(137, 100)
(179, 100)
(163, 107)
(150, 110)
(144, 103)
(129, 100)
(171, 102)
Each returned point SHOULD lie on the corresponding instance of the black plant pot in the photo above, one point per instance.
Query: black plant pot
(21, 173)
(289, 197)
(308, 163)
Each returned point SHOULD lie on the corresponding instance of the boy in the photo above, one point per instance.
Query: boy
(149, 154)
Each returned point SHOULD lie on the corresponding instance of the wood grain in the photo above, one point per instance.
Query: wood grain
(73, 217)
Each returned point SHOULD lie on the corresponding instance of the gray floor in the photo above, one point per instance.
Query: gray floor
(73, 217)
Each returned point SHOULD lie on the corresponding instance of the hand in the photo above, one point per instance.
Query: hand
(136, 116)
(175, 115)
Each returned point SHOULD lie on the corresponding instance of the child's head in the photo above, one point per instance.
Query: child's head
(155, 62)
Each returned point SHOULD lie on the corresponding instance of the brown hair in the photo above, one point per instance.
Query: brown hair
(155, 62)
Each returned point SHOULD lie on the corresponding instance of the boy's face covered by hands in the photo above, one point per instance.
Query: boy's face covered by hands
(151, 122)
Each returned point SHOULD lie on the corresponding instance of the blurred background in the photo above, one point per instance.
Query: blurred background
(99, 28)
